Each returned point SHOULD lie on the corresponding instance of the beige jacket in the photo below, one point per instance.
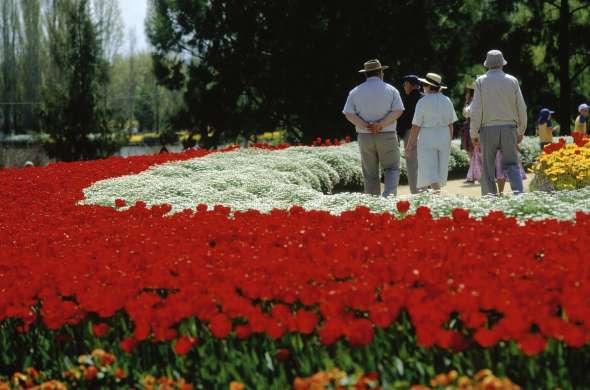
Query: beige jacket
(497, 101)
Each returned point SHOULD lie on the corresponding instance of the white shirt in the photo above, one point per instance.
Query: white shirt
(434, 110)
(497, 101)
(372, 101)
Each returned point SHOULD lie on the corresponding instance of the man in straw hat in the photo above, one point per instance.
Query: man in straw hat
(373, 108)
(498, 122)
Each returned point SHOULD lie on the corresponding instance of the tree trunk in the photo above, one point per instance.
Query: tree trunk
(6, 97)
(563, 54)
(157, 109)
(132, 82)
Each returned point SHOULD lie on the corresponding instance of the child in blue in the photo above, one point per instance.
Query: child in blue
(545, 127)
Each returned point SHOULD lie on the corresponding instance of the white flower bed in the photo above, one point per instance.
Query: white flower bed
(259, 179)
(243, 179)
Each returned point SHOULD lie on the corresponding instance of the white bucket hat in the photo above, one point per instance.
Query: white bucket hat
(583, 106)
(494, 59)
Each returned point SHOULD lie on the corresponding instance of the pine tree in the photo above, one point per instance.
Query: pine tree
(72, 116)
(31, 63)
(10, 40)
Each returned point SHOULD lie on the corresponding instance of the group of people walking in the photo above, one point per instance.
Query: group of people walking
(424, 121)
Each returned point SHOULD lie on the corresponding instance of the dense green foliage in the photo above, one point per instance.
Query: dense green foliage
(256, 362)
(66, 74)
(229, 71)
(264, 64)
(73, 114)
(137, 100)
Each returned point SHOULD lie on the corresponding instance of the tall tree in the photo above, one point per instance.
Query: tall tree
(109, 26)
(72, 116)
(154, 105)
(10, 35)
(31, 10)
(573, 52)
(131, 78)
(109, 30)
(559, 50)
(266, 64)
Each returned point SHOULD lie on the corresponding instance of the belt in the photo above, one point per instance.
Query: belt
(499, 126)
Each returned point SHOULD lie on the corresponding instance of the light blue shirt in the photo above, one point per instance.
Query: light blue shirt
(372, 101)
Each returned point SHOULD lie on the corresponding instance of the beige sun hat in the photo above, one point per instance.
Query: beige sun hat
(433, 79)
(373, 65)
(471, 85)
(494, 58)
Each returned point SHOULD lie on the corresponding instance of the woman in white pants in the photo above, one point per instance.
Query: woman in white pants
(432, 128)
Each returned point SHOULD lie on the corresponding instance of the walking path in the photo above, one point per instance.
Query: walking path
(459, 187)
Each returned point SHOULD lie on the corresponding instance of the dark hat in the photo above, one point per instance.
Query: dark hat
(544, 115)
(412, 79)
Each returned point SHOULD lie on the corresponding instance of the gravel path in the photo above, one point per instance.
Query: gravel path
(459, 187)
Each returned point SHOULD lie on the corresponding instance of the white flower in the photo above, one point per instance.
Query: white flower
(309, 177)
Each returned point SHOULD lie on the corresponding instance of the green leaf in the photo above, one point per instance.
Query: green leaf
(399, 365)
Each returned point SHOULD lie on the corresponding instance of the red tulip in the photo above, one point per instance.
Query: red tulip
(215, 266)
(128, 344)
(403, 206)
(100, 330)
(184, 344)
(220, 326)
(283, 355)
(359, 333)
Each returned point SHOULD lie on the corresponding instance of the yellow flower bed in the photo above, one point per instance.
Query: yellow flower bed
(566, 168)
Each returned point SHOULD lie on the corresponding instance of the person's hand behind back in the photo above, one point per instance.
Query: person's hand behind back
(375, 127)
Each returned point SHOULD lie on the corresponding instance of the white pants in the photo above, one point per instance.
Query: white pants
(434, 150)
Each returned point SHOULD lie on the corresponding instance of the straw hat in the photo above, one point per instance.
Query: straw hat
(433, 79)
(373, 65)
(471, 86)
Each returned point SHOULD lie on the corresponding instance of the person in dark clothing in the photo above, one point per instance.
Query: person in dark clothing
(410, 96)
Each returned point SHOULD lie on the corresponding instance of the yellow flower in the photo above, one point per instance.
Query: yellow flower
(567, 168)
(482, 374)
(148, 381)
